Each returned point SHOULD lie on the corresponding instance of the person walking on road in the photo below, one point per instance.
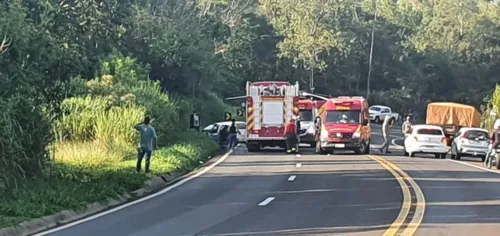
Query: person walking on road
(494, 141)
(386, 127)
(147, 142)
(233, 131)
(291, 136)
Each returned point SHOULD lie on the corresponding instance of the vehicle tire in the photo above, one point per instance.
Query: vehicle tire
(483, 158)
(406, 154)
(318, 149)
(377, 120)
(313, 144)
(458, 156)
(437, 155)
(497, 161)
(443, 155)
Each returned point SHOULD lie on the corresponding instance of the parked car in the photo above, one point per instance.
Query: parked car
(470, 142)
(379, 113)
(426, 139)
(213, 130)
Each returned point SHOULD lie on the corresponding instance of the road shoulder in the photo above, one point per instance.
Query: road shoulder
(151, 188)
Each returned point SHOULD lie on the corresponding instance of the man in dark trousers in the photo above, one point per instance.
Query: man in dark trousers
(147, 142)
(291, 136)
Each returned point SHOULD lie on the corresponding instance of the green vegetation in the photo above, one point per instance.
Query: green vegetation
(75, 76)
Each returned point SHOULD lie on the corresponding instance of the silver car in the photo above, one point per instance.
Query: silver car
(470, 142)
(214, 129)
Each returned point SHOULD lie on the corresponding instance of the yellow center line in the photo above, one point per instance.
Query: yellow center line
(405, 208)
(420, 201)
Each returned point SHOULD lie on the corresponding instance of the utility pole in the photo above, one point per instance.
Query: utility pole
(371, 52)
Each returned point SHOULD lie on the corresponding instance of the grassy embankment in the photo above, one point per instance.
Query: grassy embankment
(93, 153)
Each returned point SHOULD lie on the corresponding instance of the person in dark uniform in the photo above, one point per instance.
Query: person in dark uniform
(291, 136)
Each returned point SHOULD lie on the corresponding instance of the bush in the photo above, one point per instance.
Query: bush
(87, 173)
(24, 136)
(94, 153)
(487, 120)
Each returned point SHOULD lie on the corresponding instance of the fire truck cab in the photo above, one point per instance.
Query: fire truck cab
(343, 124)
(269, 106)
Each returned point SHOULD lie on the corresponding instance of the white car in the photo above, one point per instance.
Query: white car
(470, 142)
(214, 129)
(426, 139)
(379, 113)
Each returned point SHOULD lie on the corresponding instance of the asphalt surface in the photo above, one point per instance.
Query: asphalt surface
(271, 193)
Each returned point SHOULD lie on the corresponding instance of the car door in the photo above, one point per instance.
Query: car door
(384, 112)
(214, 132)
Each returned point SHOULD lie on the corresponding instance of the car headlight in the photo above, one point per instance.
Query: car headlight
(356, 135)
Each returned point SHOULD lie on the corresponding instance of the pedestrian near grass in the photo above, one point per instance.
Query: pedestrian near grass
(147, 142)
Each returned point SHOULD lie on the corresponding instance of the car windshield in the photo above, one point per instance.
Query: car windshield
(306, 115)
(430, 131)
(208, 128)
(476, 135)
(375, 109)
(343, 117)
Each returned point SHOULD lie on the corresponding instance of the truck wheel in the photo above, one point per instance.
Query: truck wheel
(361, 149)
(377, 120)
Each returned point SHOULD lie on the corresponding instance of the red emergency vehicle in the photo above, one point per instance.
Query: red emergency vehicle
(269, 106)
(344, 124)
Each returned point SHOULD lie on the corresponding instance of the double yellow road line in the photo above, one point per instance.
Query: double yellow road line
(413, 208)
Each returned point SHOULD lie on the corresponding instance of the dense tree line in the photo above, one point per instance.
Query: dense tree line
(410, 52)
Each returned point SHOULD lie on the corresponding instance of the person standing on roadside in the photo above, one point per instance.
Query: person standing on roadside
(386, 127)
(147, 142)
(291, 136)
(494, 140)
(406, 127)
(233, 131)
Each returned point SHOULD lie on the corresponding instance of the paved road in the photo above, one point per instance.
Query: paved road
(274, 194)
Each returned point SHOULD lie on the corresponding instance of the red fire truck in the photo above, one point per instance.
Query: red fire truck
(269, 106)
(344, 124)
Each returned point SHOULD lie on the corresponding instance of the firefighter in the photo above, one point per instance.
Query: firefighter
(291, 136)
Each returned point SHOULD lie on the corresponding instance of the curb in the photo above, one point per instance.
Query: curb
(66, 216)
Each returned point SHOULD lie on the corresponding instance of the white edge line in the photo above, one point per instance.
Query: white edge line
(292, 177)
(267, 201)
(298, 165)
(223, 158)
(471, 165)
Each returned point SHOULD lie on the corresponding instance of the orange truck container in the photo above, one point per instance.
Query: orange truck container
(452, 116)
